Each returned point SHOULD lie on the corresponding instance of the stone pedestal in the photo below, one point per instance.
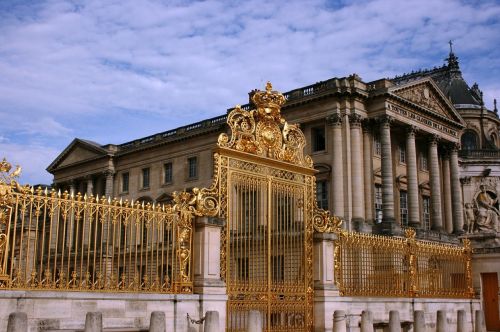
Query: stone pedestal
(206, 255)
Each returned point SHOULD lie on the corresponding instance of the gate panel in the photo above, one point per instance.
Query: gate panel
(266, 254)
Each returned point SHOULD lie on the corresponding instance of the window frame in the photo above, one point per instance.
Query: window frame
(188, 171)
(145, 170)
(314, 139)
(323, 201)
(122, 184)
(166, 180)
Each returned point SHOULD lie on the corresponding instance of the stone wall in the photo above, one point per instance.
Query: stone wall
(53, 311)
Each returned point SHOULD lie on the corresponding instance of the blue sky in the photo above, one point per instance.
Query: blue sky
(113, 71)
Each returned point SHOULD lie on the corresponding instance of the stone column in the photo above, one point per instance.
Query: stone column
(335, 120)
(339, 321)
(418, 321)
(72, 188)
(394, 321)
(358, 205)
(157, 322)
(368, 169)
(254, 321)
(90, 185)
(456, 192)
(18, 322)
(110, 176)
(388, 225)
(411, 173)
(448, 223)
(346, 160)
(435, 182)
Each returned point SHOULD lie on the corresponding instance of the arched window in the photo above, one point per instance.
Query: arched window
(469, 140)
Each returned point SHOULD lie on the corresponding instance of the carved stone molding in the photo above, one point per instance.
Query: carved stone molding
(385, 121)
(434, 139)
(355, 120)
(335, 120)
(411, 131)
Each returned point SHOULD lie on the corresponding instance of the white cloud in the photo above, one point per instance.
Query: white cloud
(72, 68)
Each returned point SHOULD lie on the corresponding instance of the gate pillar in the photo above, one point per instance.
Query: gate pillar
(207, 278)
(324, 280)
(207, 244)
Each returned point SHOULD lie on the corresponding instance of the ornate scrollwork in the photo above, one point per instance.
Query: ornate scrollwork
(264, 132)
(323, 222)
(8, 186)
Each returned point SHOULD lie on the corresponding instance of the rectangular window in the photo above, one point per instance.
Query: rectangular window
(145, 178)
(426, 212)
(423, 162)
(322, 194)
(318, 139)
(377, 146)
(378, 203)
(192, 167)
(167, 173)
(403, 207)
(125, 178)
(402, 153)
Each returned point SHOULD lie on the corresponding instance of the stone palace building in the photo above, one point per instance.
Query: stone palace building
(419, 150)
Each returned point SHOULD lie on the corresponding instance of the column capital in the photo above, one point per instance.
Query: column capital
(385, 121)
(411, 131)
(454, 147)
(109, 172)
(88, 177)
(334, 119)
(355, 120)
(434, 139)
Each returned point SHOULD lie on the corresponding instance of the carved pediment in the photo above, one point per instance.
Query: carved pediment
(426, 94)
(78, 151)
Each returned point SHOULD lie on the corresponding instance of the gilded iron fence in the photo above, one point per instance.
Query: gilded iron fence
(373, 265)
(51, 240)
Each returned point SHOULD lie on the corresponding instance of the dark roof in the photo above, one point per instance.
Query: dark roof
(449, 79)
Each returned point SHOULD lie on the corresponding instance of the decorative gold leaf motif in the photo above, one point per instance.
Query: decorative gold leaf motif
(264, 132)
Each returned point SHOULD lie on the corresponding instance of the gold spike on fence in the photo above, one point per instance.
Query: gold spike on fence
(373, 265)
(51, 240)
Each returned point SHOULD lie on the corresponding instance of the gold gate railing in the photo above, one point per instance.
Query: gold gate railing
(372, 265)
(53, 241)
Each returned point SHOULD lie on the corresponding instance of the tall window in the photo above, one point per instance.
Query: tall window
(192, 167)
(426, 212)
(378, 203)
(469, 140)
(403, 207)
(318, 139)
(167, 173)
(402, 153)
(424, 166)
(145, 177)
(125, 178)
(322, 194)
(377, 146)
